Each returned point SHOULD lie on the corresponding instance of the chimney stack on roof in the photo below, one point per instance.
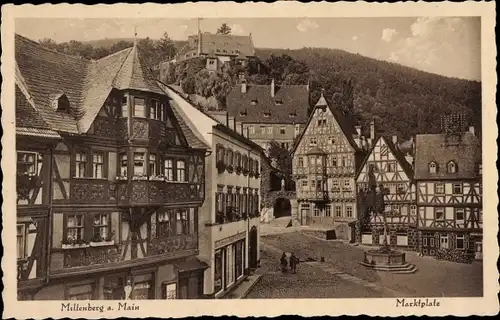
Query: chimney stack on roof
(471, 130)
(395, 140)
(372, 130)
(272, 88)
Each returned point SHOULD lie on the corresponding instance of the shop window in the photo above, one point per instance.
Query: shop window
(143, 287)
(218, 284)
(113, 288)
(238, 249)
(170, 291)
(80, 292)
(230, 265)
(169, 169)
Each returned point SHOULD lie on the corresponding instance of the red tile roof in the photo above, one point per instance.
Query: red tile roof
(287, 100)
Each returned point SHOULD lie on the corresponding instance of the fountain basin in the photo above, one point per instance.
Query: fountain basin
(387, 260)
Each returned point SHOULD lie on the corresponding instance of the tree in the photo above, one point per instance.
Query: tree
(148, 50)
(49, 43)
(166, 47)
(283, 160)
(224, 29)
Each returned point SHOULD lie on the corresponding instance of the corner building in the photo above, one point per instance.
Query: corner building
(229, 218)
(109, 181)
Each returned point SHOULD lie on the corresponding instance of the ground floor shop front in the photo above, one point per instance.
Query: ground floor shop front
(179, 279)
(469, 243)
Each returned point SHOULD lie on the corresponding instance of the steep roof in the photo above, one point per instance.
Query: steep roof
(195, 127)
(220, 44)
(398, 154)
(44, 74)
(464, 150)
(345, 125)
(287, 100)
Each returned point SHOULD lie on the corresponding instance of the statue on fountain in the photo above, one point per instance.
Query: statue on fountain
(383, 258)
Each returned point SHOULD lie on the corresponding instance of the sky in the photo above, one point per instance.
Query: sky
(449, 46)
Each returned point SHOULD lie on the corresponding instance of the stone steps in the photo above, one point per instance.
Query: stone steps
(406, 268)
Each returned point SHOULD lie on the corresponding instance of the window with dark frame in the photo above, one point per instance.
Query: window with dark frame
(439, 188)
(139, 107)
(460, 239)
(123, 164)
(101, 227)
(164, 227)
(152, 164)
(98, 165)
(27, 163)
(81, 165)
(155, 110)
(139, 165)
(439, 214)
(169, 169)
(124, 107)
(75, 227)
(457, 188)
(181, 170)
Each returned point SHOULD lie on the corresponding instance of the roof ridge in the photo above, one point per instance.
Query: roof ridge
(121, 66)
(33, 42)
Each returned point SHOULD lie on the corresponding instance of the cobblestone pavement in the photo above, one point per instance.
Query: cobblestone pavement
(345, 277)
(312, 280)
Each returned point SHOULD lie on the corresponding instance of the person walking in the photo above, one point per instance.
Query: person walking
(294, 261)
(283, 262)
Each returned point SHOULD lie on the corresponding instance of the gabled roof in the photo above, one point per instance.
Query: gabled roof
(346, 127)
(464, 150)
(220, 44)
(175, 95)
(44, 73)
(287, 100)
(398, 154)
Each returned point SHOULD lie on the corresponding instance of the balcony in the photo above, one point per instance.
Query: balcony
(157, 193)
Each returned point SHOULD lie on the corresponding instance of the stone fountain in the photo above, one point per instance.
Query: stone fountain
(383, 258)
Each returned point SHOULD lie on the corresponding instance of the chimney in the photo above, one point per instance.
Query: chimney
(395, 140)
(272, 88)
(243, 87)
(471, 130)
(358, 130)
(372, 130)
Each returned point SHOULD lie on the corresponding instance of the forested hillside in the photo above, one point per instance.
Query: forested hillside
(402, 100)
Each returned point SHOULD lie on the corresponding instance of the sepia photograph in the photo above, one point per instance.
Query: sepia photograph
(245, 158)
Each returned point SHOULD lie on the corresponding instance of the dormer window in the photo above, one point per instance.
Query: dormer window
(451, 167)
(267, 114)
(253, 102)
(60, 103)
(433, 167)
(292, 115)
(279, 102)
(243, 113)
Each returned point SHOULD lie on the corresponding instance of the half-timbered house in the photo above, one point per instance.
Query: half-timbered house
(448, 176)
(325, 159)
(229, 217)
(392, 171)
(109, 180)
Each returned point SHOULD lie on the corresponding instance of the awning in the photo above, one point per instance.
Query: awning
(190, 264)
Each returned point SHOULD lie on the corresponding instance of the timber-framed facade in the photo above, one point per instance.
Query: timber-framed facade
(109, 184)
